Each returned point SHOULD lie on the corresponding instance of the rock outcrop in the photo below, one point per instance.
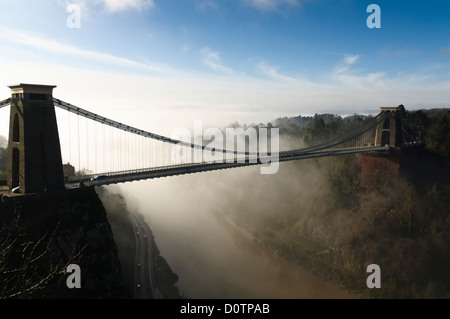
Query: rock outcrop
(48, 232)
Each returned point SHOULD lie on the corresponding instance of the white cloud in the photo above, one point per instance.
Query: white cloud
(267, 5)
(292, 83)
(368, 81)
(153, 101)
(346, 64)
(204, 5)
(213, 60)
(345, 76)
(348, 78)
(162, 103)
(49, 45)
(112, 5)
(121, 5)
(351, 59)
(273, 73)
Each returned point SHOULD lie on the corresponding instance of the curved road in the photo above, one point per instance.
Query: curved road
(145, 284)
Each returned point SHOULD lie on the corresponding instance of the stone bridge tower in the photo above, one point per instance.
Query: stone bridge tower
(35, 163)
(389, 132)
(379, 169)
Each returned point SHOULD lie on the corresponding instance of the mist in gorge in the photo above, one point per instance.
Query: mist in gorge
(212, 259)
(206, 225)
(308, 231)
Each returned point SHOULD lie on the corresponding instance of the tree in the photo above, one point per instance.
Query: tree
(3, 142)
(438, 136)
(27, 264)
(3, 153)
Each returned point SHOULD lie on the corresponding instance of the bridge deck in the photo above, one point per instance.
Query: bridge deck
(182, 169)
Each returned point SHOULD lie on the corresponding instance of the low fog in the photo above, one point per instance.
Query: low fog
(212, 258)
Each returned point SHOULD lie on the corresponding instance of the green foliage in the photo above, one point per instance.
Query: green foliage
(438, 135)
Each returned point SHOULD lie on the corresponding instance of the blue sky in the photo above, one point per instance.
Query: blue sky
(245, 60)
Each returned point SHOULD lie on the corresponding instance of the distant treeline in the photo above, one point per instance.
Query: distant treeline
(432, 124)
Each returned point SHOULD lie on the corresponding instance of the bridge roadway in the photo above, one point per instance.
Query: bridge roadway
(181, 169)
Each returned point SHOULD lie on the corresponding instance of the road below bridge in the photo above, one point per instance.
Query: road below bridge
(145, 286)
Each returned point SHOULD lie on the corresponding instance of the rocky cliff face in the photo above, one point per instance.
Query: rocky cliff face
(48, 232)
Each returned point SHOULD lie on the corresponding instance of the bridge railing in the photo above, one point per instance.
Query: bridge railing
(153, 172)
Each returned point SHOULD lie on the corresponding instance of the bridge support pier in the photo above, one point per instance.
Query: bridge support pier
(35, 163)
(381, 169)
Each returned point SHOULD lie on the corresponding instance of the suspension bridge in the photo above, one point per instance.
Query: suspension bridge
(44, 130)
